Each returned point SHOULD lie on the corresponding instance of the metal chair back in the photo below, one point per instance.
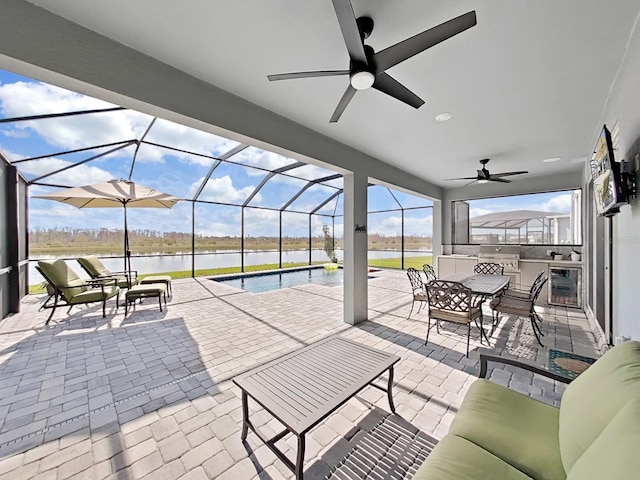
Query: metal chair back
(415, 279)
(488, 268)
(452, 296)
(429, 272)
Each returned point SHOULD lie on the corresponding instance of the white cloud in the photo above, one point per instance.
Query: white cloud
(59, 210)
(559, 204)
(15, 133)
(34, 98)
(221, 189)
(184, 138)
(476, 212)
(261, 158)
(389, 226)
(76, 176)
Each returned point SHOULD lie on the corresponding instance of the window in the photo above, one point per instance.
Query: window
(542, 218)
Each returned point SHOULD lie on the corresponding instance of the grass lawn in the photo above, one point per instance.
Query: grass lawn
(415, 262)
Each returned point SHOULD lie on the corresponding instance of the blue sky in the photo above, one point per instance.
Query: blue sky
(173, 172)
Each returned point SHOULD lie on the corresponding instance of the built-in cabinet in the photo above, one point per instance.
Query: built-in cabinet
(529, 270)
(450, 264)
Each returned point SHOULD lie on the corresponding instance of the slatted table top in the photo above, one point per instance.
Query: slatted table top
(480, 283)
(302, 388)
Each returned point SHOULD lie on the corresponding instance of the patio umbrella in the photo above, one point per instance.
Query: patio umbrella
(114, 193)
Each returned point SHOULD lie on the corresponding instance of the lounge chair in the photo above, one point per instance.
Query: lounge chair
(96, 270)
(73, 290)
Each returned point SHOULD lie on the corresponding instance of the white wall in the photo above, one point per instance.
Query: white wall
(623, 107)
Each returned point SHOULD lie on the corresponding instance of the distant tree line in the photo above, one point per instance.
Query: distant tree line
(104, 240)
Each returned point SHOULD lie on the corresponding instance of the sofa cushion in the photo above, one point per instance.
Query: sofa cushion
(614, 454)
(592, 400)
(455, 458)
(515, 428)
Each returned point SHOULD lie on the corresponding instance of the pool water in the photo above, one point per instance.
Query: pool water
(265, 282)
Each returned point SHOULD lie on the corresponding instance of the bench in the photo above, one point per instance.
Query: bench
(138, 292)
(501, 434)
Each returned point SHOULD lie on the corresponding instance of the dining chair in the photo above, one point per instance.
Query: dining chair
(429, 272)
(417, 289)
(453, 302)
(488, 268)
(521, 307)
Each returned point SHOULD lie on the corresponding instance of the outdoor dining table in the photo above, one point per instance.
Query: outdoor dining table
(481, 283)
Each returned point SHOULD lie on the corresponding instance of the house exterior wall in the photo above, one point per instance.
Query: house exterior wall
(623, 108)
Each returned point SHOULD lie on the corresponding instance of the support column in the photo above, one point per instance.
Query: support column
(438, 226)
(355, 248)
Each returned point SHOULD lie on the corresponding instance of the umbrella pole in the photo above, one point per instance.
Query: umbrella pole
(127, 252)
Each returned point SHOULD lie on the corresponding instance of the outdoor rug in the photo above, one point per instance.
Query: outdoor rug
(568, 364)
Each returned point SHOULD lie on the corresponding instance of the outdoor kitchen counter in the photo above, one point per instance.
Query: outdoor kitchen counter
(548, 260)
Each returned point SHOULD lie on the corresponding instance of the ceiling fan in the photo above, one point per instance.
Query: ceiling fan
(368, 68)
(484, 176)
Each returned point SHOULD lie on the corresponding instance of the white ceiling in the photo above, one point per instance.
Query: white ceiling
(527, 83)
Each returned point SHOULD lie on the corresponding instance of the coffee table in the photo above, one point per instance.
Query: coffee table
(303, 388)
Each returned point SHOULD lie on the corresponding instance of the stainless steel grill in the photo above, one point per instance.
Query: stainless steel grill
(506, 255)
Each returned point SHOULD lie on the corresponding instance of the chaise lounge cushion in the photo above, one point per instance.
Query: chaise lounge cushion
(96, 269)
(68, 281)
(614, 454)
(593, 399)
(515, 428)
(455, 458)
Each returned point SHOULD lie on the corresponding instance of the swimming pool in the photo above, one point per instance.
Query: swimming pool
(264, 282)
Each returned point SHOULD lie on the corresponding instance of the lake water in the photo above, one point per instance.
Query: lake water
(179, 262)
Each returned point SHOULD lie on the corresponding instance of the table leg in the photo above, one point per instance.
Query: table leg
(245, 416)
(300, 457)
(389, 392)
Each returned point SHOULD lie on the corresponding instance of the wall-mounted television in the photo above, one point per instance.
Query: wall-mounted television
(610, 192)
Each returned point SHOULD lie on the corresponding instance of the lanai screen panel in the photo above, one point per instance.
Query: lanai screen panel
(231, 184)
(167, 171)
(180, 137)
(311, 198)
(217, 231)
(277, 191)
(418, 231)
(262, 159)
(262, 233)
(295, 237)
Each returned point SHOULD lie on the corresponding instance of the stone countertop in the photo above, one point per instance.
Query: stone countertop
(548, 260)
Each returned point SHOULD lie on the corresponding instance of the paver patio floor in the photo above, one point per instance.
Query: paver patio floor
(151, 394)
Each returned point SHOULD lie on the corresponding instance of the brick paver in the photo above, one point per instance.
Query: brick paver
(150, 395)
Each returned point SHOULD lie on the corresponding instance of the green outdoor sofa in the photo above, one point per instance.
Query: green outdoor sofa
(66, 286)
(499, 434)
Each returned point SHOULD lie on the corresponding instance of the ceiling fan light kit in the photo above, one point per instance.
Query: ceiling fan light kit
(367, 68)
(362, 80)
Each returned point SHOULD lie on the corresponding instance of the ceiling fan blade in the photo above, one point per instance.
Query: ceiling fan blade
(501, 180)
(508, 174)
(342, 104)
(400, 52)
(350, 31)
(462, 178)
(386, 84)
(319, 73)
